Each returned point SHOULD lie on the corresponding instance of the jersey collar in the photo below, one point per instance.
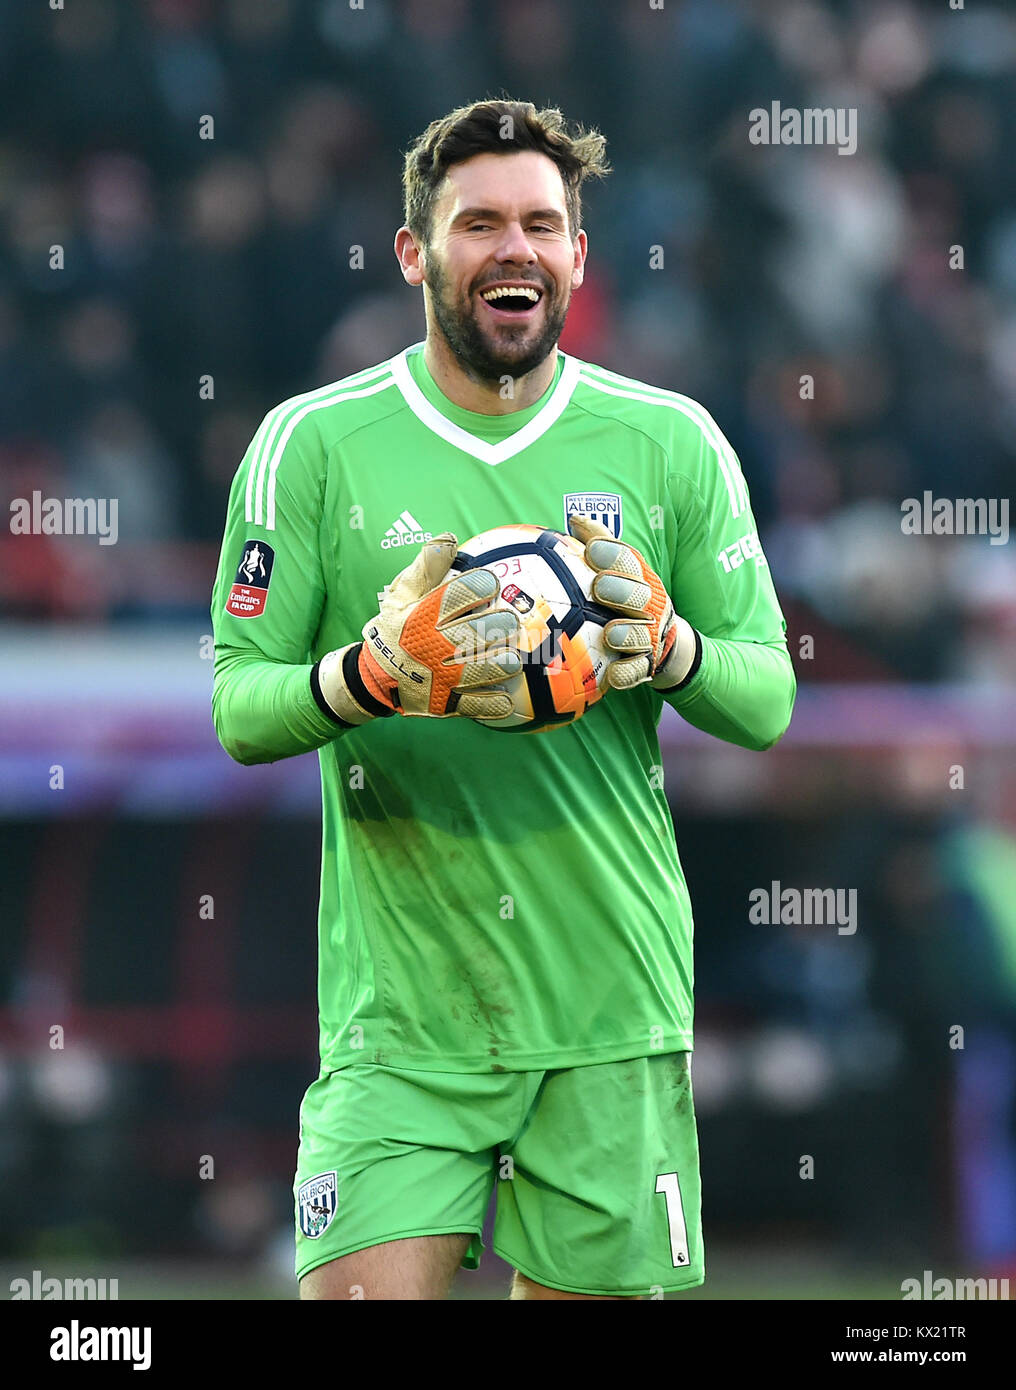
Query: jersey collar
(469, 443)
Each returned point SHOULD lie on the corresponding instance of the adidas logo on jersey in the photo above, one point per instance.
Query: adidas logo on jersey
(406, 531)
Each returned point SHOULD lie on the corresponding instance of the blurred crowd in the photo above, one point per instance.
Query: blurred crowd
(887, 277)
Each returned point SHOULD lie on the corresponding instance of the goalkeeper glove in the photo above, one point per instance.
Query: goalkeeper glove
(651, 641)
(430, 650)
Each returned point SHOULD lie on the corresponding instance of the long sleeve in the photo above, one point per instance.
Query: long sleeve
(744, 688)
(268, 598)
(743, 692)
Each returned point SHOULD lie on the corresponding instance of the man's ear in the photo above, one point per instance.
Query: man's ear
(410, 257)
(581, 247)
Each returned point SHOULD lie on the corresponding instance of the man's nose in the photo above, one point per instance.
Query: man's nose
(515, 245)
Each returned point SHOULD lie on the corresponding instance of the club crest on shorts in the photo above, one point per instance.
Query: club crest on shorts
(316, 1201)
(249, 593)
(604, 507)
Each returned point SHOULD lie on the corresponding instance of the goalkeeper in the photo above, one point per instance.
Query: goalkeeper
(504, 933)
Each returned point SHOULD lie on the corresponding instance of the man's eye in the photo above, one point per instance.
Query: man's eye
(485, 227)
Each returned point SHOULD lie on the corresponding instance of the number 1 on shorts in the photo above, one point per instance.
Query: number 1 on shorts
(668, 1184)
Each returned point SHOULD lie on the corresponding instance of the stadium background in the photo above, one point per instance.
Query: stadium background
(187, 1035)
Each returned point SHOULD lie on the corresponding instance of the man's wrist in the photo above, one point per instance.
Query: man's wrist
(339, 690)
(683, 660)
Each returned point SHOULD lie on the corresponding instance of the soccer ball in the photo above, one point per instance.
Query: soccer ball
(545, 578)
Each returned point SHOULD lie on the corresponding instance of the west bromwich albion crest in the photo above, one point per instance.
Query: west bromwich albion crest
(604, 507)
(316, 1201)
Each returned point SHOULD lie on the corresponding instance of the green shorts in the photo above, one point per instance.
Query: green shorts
(596, 1168)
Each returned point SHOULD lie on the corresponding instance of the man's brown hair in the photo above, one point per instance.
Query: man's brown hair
(497, 126)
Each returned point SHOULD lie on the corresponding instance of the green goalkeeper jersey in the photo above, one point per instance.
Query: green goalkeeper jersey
(490, 901)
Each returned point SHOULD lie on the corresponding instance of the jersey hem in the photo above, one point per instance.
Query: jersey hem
(536, 1061)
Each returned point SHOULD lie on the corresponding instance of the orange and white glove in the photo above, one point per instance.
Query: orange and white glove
(652, 642)
(432, 648)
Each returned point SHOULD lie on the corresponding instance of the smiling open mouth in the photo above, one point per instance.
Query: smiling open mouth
(517, 300)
